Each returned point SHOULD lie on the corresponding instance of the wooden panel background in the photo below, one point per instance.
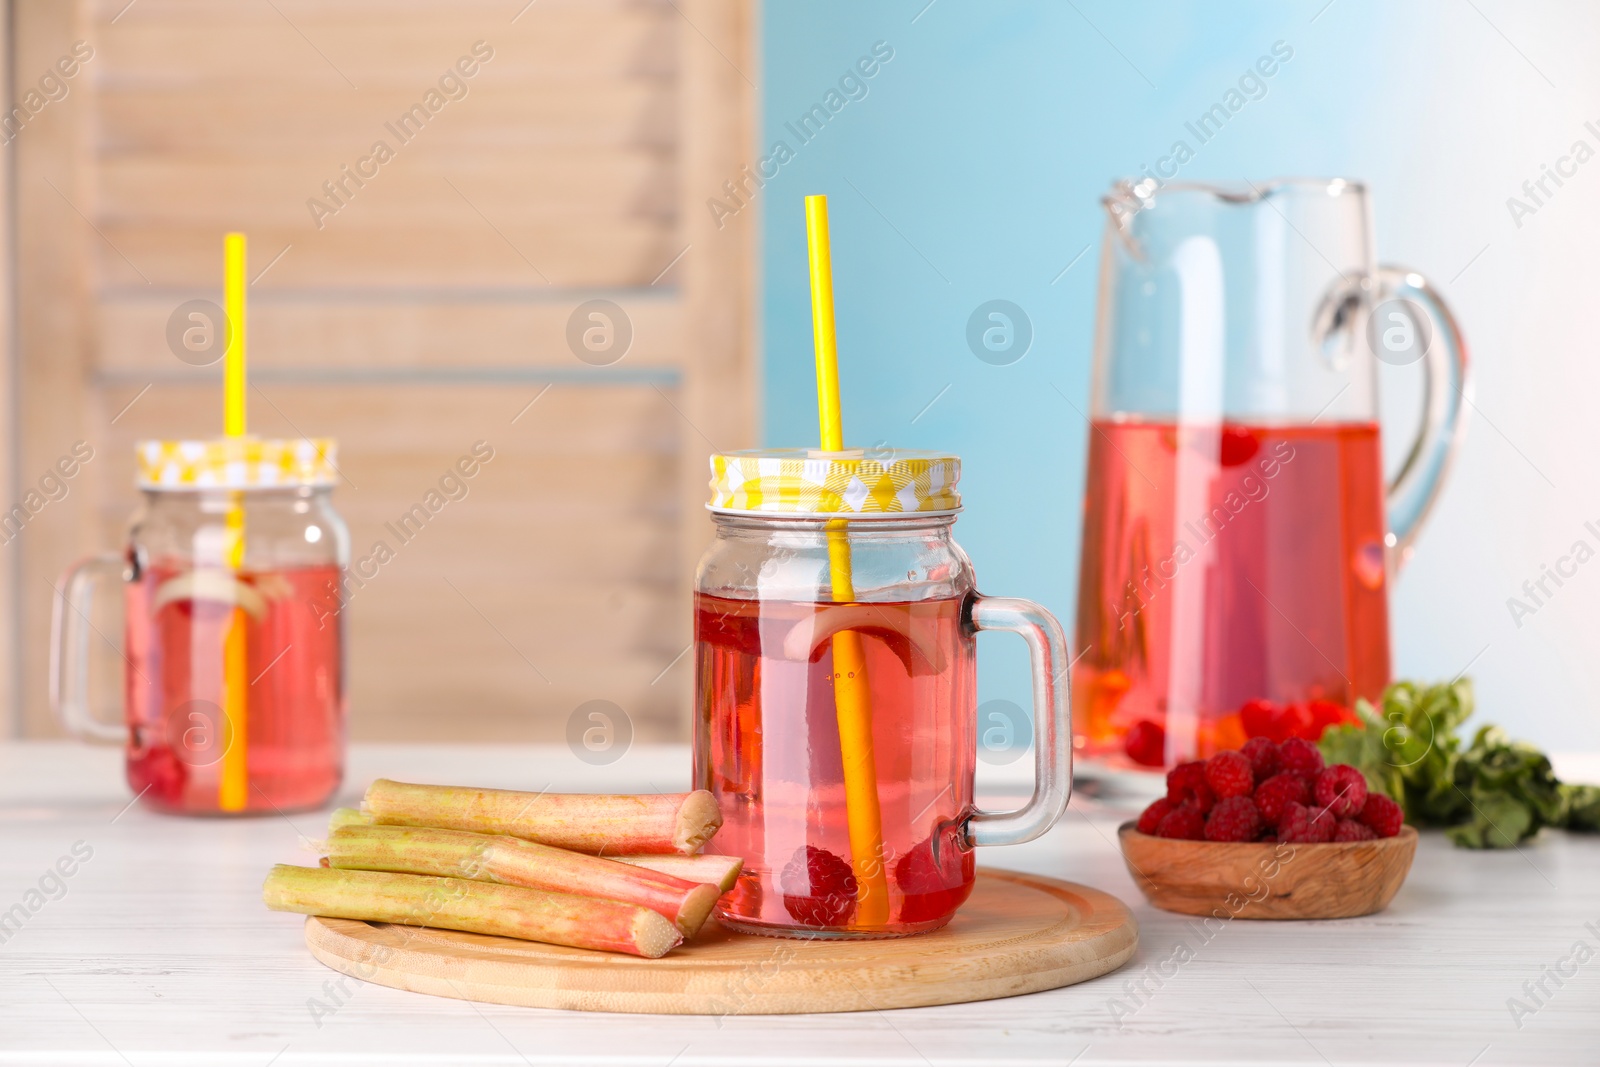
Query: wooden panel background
(10, 688)
(421, 317)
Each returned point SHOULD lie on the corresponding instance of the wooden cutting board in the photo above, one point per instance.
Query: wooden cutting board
(1018, 933)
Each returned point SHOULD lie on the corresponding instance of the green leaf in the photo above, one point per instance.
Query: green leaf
(1581, 808)
(1497, 820)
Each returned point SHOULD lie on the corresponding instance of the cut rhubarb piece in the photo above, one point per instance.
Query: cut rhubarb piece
(650, 823)
(347, 817)
(720, 871)
(476, 907)
(911, 643)
(217, 586)
(513, 861)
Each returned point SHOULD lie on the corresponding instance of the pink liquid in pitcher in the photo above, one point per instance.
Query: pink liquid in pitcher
(767, 744)
(295, 675)
(1225, 566)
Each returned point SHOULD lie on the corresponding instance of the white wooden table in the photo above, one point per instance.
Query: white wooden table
(159, 952)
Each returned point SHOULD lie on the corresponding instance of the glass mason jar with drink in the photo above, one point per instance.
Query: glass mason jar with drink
(835, 693)
(233, 693)
(1238, 536)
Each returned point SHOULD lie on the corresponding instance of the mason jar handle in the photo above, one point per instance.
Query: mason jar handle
(1052, 722)
(69, 649)
(1416, 487)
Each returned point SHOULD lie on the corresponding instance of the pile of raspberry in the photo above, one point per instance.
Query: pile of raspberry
(1270, 792)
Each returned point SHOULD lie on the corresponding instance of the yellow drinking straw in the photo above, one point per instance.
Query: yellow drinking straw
(233, 792)
(852, 698)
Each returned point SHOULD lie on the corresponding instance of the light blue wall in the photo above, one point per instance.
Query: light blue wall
(972, 170)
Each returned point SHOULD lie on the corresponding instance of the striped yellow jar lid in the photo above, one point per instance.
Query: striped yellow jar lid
(237, 463)
(801, 482)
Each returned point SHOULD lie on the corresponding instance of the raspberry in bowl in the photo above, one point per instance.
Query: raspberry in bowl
(1269, 832)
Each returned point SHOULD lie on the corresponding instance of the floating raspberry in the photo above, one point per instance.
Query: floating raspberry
(1299, 756)
(1304, 825)
(1229, 774)
(1350, 830)
(936, 864)
(935, 877)
(1382, 814)
(1295, 722)
(1260, 718)
(1277, 793)
(1146, 743)
(1236, 445)
(819, 888)
(1342, 790)
(1263, 757)
(1326, 713)
(1185, 823)
(160, 771)
(1151, 817)
(1233, 819)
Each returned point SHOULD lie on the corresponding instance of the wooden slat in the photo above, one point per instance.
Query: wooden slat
(518, 645)
(412, 421)
(619, 253)
(563, 112)
(250, 43)
(392, 334)
(423, 187)
(104, 11)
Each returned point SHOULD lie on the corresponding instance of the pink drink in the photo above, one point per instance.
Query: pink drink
(295, 716)
(1224, 566)
(766, 734)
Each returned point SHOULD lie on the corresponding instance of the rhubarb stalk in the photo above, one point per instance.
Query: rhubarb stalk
(651, 824)
(513, 861)
(476, 907)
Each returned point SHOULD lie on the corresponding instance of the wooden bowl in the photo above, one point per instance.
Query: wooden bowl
(1267, 880)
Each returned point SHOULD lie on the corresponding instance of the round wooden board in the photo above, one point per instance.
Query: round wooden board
(1017, 933)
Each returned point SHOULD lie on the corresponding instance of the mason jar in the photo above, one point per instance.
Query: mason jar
(835, 693)
(234, 664)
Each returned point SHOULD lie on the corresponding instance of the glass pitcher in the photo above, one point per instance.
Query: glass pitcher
(1238, 537)
(854, 813)
(233, 654)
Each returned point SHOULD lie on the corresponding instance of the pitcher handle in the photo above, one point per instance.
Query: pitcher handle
(69, 649)
(1416, 487)
(1052, 722)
